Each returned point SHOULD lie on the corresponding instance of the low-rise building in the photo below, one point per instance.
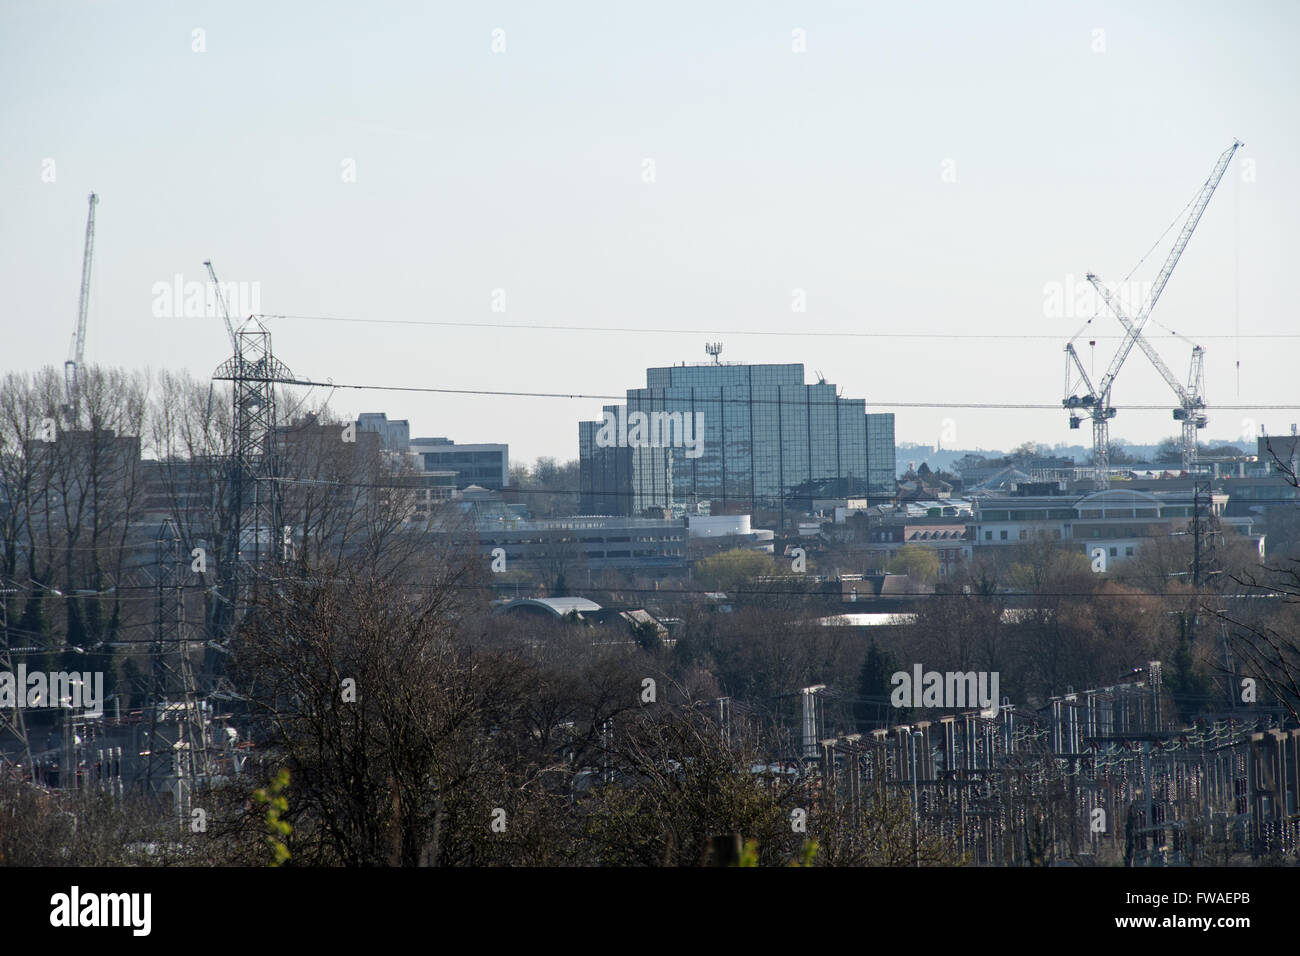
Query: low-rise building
(485, 465)
(1279, 453)
(721, 532)
(946, 536)
(1119, 521)
(394, 435)
(588, 543)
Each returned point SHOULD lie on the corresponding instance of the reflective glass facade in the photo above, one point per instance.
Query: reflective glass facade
(766, 440)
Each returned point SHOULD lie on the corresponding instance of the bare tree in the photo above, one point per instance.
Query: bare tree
(1264, 633)
(359, 685)
(676, 783)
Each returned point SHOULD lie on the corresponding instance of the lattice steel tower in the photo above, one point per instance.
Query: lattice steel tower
(255, 525)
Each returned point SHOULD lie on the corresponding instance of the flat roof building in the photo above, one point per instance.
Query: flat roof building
(739, 436)
(485, 465)
(1279, 453)
(1119, 521)
(588, 543)
(394, 434)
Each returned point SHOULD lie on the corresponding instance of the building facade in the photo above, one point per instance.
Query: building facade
(485, 465)
(394, 434)
(1118, 521)
(574, 546)
(946, 537)
(1279, 453)
(738, 436)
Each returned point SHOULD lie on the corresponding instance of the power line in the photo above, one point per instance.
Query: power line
(809, 333)
(704, 399)
(701, 590)
(863, 598)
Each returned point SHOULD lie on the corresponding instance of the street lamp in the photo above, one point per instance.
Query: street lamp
(916, 806)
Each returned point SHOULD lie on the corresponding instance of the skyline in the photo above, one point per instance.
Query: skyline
(514, 435)
(894, 176)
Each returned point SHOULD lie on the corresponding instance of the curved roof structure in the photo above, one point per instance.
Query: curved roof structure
(558, 606)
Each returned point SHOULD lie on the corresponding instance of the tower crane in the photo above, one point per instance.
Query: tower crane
(1191, 397)
(1097, 398)
(72, 368)
(225, 312)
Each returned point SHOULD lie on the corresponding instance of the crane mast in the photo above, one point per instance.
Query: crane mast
(77, 354)
(1191, 399)
(1097, 400)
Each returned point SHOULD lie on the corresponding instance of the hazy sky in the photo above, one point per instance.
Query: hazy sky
(920, 167)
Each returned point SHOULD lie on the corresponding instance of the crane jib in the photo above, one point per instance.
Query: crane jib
(77, 352)
(1194, 217)
(1190, 397)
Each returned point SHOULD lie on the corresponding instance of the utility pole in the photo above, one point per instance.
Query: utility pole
(1196, 536)
(1154, 678)
(916, 805)
(178, 726)
(14, 724)
(810, 734)
(1149, 811)
(606, 737)
(724, 718)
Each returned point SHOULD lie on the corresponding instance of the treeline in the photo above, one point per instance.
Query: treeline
(417, 728)
(548, 489)
(84, 494)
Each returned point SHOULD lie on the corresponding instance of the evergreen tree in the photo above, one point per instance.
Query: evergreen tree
(1189, 686)
(872, 707)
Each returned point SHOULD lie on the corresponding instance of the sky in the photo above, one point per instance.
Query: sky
(681, 172)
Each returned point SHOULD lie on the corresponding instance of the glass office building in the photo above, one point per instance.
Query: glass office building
(487, 466)
(741, 437)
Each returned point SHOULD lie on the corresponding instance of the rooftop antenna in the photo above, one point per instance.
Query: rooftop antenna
(714, 349)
